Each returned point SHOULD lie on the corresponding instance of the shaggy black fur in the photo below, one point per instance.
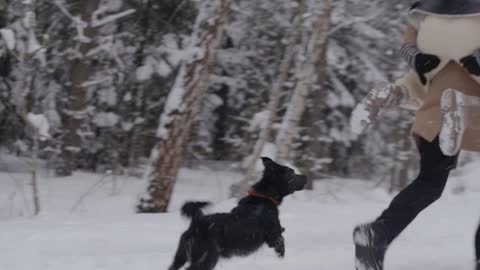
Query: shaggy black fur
(245, 229)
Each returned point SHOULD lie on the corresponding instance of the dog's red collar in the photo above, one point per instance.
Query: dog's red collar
(253, 193)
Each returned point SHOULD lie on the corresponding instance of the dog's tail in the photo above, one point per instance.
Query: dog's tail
(193, 210)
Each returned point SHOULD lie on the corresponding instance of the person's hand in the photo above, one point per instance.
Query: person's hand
(470, 63)
(425, 63)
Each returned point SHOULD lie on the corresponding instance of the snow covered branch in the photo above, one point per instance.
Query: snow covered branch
(356, 20)
(80, 25)
(96, 22)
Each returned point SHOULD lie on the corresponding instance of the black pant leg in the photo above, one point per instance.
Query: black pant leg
(435, 168)
(477, 244)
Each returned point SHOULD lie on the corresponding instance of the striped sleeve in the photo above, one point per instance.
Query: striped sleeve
(408, 52)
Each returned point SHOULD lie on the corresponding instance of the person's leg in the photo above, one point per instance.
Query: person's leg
(372, 239)
(435, 168)
(477, 247)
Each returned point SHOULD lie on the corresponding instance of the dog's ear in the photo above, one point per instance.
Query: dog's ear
(267, 162)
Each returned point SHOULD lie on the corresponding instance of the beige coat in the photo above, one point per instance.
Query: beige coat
(449, 75)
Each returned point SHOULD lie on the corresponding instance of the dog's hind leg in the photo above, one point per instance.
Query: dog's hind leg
(181, 257)
(204, 259)
(206, 263)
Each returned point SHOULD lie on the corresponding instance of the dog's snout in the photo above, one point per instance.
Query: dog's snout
(301, 181)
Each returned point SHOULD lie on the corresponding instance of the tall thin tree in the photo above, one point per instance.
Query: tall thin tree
(266, 135)
(308, 75)
(182, 104)
(81, 71)
(26, 54)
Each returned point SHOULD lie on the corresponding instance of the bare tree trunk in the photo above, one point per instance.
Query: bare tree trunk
(34, 181)
(26, 63)
(265, 135)
(136, 147)
(116, 166)
(183, 103)
(80, 72)
(134, 152)
(308, 76)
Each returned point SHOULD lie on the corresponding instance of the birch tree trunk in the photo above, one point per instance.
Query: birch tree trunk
(34, 180)
(26, 64)
(308, 76)
(80, 72)
(265, 135)
(183, 103)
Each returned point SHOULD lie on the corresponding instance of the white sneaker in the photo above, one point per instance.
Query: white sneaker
(453, 127)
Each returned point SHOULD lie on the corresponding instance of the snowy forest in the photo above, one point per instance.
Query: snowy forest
(135, 106)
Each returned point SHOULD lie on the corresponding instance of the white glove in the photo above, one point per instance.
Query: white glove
(385, 96)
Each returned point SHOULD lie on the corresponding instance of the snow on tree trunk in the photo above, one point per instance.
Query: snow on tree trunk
(80, 72)
(265, 135)
(26, 62)
(307, 77)
(182, 105)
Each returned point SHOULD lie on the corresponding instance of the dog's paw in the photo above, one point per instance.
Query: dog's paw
(280, 247)
(280, 253)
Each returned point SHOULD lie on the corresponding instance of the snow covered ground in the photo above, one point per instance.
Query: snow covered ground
(100, 232)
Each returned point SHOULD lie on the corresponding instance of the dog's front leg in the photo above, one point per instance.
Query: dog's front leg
(279, 246)
(276, 241)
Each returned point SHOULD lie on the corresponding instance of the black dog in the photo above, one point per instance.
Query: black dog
(245, 229)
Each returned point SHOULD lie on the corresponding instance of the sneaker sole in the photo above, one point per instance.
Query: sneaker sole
(365, 253)
(453, 126)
